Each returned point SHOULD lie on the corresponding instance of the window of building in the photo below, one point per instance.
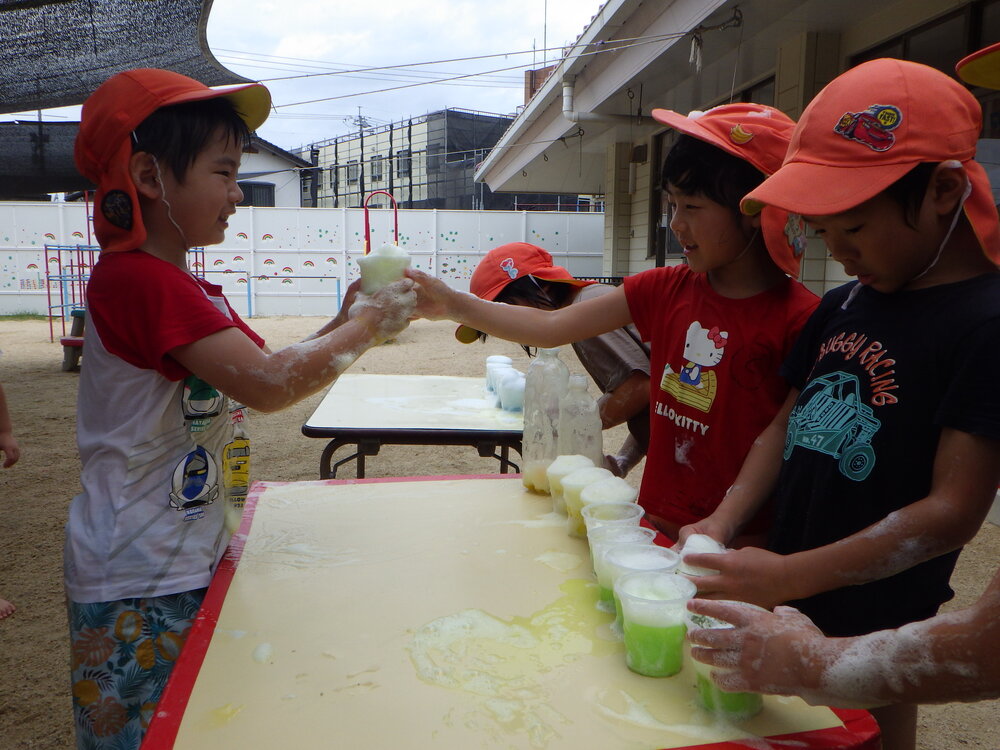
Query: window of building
(333, 179)
(257, 194)
(376, 167)
(404, 162)
(353, 171)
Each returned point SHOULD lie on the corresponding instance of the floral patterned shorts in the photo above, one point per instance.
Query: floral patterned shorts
(122, 653)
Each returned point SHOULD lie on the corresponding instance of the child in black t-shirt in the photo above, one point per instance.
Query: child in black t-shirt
(886, 456)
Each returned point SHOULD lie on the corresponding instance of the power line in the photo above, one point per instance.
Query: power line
(618, 48)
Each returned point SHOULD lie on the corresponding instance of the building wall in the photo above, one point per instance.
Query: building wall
(802, 65)
(278, 172)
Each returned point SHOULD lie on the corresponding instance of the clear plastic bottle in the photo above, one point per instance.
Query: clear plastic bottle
(580, 423)
(545, 384)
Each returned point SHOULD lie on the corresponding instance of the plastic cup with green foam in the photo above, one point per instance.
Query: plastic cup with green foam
(560, 467)
(604, 492)
(653, 605)
(699, 544)
(620, 559)
(382, 266)
(730, 706)
(573, 485)
(596, 515)
(610, 535)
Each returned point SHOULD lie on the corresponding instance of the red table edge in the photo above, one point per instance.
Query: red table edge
(859, 730)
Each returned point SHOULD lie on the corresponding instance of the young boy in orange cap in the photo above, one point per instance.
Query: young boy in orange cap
(886, 456)
(168, 374)
(718, 326)
(520, 273)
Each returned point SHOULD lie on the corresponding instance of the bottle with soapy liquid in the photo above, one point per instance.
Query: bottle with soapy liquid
(580, 423)
(545, 382)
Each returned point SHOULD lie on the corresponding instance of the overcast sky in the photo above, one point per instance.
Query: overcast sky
(270, 39)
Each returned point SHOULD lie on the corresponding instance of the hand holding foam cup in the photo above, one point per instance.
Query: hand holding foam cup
(732, 706)
(381, 267)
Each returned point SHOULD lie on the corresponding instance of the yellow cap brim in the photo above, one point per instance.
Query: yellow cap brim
(466, 335)
(981, 68)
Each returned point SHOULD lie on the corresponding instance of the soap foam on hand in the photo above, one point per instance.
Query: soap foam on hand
(382, 266)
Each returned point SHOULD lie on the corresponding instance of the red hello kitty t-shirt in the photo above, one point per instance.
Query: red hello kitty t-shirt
(714, 383)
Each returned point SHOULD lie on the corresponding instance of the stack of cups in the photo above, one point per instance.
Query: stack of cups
(573, 485)
(494, 365)
(561, 467)
(617, 560)
(729, 706)
(653, 605)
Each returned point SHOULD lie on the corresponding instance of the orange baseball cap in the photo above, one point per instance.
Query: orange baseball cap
(869, 127)
(507, 263)
(759, 135)
(981, 68)
(103, 146)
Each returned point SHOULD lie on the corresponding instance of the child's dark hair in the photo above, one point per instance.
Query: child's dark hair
(175, 135)
(696, 167)
(532, 292)
(909, 190)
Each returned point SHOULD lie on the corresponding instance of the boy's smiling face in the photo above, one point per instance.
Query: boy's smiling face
(710, 234)
(873, 242)
(207, 197)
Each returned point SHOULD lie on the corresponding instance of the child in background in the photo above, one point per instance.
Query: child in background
(170, 369)
(11, 453)
(618, 361)
(718, 326)
(891, 434)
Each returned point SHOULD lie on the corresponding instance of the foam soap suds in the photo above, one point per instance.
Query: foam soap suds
(505, 663)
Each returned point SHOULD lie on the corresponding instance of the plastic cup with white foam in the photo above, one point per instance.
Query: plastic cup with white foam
(495, 359)
(560, 467)
(596, 515)
(510, 386)
(572, 488)
(730, 706)
(621, 559)
(604, 492)
(610, 535)
(653, 605)
(382, 266)
(699, 544)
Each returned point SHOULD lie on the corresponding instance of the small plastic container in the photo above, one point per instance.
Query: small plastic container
(699, 544)
(556, 471)
(610, 514)
(573, 485)
(610, 535)
(729, 706)
(617, 560)
(653, 605)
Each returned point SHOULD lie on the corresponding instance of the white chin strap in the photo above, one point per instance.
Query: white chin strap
(950, 164)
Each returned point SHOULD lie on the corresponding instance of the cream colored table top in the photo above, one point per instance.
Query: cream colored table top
(409, 614)
(409, 402)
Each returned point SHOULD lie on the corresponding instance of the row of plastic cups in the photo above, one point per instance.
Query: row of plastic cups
(638, 579)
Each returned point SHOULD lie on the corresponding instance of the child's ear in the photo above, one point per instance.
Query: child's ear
(947, 186)
(145, 175)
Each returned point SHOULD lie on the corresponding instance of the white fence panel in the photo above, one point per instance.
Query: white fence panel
(288, 261)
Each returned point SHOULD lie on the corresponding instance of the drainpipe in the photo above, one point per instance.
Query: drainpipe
(573, 116)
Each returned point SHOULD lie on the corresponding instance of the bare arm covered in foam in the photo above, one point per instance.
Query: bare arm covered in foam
(265, 381)
(524, 325)
(965, 476)
(949, 657)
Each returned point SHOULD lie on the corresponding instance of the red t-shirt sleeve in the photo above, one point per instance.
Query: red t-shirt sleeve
(645, 293)
(143, 307)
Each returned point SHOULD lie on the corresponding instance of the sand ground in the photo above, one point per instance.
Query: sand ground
(34, 689)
